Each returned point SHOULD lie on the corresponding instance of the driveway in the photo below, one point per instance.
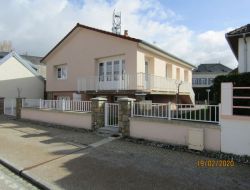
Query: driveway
(67, 159)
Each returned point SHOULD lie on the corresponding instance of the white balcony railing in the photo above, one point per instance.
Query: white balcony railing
(139, 81)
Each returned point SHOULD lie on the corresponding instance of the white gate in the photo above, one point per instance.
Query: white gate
(111, 114)
(10, 107)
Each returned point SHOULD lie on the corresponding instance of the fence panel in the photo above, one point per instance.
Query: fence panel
(143, 109)
(203, 113)
(10, 107)
(61, 105)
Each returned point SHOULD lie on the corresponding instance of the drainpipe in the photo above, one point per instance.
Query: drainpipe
(245, 52)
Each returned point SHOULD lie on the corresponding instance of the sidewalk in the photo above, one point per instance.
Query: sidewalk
(66, 159)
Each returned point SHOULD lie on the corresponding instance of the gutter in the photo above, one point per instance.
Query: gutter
(165, 54)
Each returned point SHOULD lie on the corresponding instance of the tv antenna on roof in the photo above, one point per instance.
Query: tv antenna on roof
(116, 27)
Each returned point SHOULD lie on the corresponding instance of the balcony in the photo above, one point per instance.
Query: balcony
(138, 82)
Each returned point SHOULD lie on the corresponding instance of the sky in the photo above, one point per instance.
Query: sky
(193, 30)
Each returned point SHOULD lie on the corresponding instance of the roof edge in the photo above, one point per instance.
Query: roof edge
(23, 62)
(168, 54)
(89, 28)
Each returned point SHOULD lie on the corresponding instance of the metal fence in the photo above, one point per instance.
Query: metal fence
(190, 112)
(151, 110)
(10, 107)
(241, 103)
(111, 114)
(62, 105)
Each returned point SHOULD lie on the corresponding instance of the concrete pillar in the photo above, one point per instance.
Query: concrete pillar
(226, 98)
(125, 105)
(18, 107)
(97, 112)
(1, 106)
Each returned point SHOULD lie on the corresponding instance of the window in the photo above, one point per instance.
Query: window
(109, 71)
(146, 70)
(116, 70)
(61, 72)
(123, 69)
(101, 71)
(203, 81)
(210, 81)
(195, 81)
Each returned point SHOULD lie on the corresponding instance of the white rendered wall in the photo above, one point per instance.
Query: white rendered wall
(241, 52)
(235, 135)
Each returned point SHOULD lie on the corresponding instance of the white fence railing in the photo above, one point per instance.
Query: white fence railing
(111, 114)
(151, 110)
(62, 105)
(202, 113)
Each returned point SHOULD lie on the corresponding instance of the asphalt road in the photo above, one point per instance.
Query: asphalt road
(10, 181)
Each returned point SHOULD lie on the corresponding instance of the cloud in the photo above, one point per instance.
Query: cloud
(36, 26)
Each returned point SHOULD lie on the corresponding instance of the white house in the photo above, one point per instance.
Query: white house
(19, 74)
(239, 41)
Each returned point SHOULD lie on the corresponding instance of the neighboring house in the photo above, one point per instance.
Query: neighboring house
(239, 41)
(89, 62)
(203, 78)
(19, 73)
(35, 60)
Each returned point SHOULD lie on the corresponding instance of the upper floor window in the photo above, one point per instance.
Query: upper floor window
(61, 72)
(210, 81)
(111, 70)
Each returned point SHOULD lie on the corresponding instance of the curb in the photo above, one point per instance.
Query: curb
(21, 174)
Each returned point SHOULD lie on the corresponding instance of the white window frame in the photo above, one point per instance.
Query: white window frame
(64, 72)
(112, 60)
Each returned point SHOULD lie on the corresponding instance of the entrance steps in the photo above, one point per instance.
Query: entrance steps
(108, 131)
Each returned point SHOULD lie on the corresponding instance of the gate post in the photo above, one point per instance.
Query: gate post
(18, 107)
(1, 106)
(97, 112)
(125, 106)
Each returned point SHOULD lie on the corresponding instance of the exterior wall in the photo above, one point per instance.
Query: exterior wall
(235, 132)
(159, 64)
(199, 75)
(73, 119)
(174, 132)
(14, 75)
(80, 51)
(242, 55)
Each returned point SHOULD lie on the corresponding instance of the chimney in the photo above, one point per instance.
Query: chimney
(126, 33)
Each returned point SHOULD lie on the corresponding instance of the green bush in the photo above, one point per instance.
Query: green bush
(238, 80)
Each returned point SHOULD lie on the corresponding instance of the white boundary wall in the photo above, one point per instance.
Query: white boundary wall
(235, 130)
(235, 135)
(174, 132)
(72, 119)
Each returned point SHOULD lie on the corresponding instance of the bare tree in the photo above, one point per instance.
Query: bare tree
(6, 46)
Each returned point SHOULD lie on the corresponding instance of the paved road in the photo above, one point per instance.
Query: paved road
(64, 159)
(10, 181)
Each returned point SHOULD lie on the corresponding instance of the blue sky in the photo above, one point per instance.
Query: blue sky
(202, 15)
(190, 29)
